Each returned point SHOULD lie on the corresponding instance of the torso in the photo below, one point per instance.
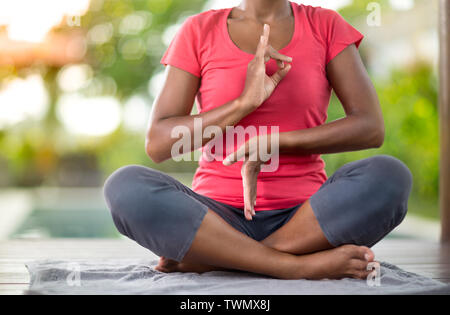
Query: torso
(224, 44)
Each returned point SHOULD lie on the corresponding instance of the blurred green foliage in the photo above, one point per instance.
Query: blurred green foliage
(132, 55)
(409, 103)
(34, 153)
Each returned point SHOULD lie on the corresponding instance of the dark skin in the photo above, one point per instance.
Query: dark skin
(299, 249)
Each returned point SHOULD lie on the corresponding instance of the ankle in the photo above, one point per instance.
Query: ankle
(291, 267)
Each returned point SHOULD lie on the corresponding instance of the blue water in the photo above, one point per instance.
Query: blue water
(67, 223)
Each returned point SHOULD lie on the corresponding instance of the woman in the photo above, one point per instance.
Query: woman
(265, 63)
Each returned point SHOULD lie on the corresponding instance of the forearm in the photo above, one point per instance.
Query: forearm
(159, 139)
(351, 133)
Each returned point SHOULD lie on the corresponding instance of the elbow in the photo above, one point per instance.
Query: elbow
(152, 152)
(377, 135)
(378, 139)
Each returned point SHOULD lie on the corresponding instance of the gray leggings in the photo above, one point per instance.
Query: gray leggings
(359, 204)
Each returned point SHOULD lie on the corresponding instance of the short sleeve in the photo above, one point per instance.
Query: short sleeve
(340, 34)
(183, 49)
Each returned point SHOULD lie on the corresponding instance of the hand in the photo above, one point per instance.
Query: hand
(258, 85)
(250, 169)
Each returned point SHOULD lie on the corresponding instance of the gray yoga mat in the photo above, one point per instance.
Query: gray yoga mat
(139, 277)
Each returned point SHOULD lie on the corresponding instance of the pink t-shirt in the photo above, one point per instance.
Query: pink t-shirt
(204, 48)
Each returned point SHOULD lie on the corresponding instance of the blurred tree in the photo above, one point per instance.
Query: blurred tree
(124, 45)
(409, 102)
(125, 38)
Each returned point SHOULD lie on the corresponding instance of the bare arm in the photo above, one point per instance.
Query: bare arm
(363, 126)
(173, 108)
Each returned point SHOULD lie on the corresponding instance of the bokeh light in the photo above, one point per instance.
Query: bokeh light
(402, 5)
(133, 23)
(136, 113)
(29, 20)
(89, 116)
(100, 33)
(156, 83)
(332, 4)
(73, 77)
(22, 99)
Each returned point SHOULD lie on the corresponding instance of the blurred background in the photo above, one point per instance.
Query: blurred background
(78, 78)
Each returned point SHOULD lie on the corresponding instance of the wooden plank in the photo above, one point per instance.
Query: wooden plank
(72, 249)
(444, 117)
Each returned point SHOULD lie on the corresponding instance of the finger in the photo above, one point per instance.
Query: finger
(249, 181)
(263, 41)
(280, 64)
(249, 193)
(236, 156)
(247, 206)
(250, 177)
(253, 198)
(266, 31)
(280, 74)
(274, 54)
(248, 210)
(260, 50)
(230, 159)
(248, 214)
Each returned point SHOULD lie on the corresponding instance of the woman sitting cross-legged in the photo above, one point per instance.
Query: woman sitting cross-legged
(264, 64)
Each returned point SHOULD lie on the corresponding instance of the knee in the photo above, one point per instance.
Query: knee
(393, 181)
(119, 186)
(126, 191)
(391, 174)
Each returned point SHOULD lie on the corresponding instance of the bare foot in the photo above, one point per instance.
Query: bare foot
(169, 265)
(347, 261)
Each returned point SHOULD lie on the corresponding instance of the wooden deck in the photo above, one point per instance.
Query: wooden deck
(425, 258)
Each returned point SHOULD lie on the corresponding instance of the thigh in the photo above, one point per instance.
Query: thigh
(266, 222)
(233, 216)
(159, 212)
(262, 225)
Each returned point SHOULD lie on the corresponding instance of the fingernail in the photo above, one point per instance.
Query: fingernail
(367, 257)
(261, 39)
(266, 26)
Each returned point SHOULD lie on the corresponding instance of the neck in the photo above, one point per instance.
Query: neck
(266, 10)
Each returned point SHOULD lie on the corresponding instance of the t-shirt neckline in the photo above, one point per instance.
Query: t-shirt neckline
(230, 42)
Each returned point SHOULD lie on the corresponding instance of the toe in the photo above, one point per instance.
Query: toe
(166, 265)
(160, 269)
(365, 253)
(363, 275)
(358, 264)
